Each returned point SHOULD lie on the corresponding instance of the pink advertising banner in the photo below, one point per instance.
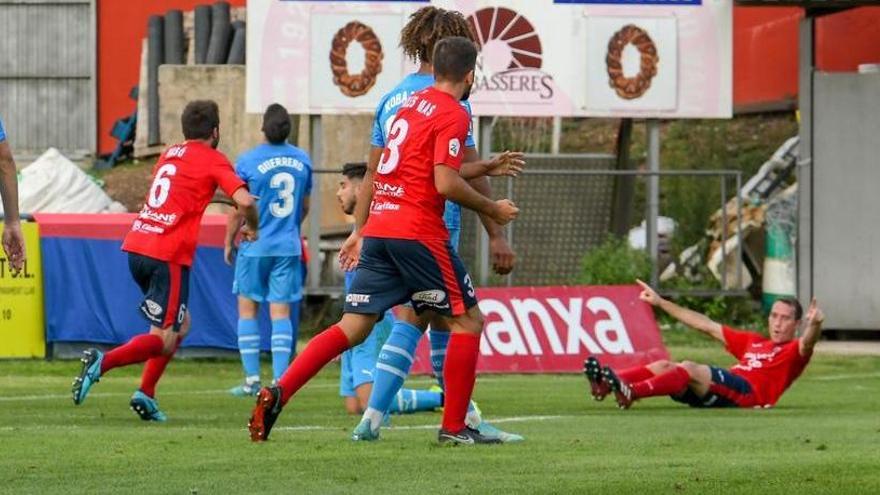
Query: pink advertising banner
(553, 329)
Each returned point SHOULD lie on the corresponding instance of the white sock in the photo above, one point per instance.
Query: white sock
(375, 416)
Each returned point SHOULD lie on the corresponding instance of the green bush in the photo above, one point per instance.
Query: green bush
(614, 262)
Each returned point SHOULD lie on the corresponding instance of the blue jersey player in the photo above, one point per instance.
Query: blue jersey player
(358, 363)
(270, 269)
(425, 28)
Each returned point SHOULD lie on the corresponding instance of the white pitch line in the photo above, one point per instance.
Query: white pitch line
(433, 426)
(844, 377)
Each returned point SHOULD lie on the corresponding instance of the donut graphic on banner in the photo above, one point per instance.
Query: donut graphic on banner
(359, 84)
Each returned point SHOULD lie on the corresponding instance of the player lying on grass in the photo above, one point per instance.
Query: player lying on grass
(160, 247)
(270, 269)
(424, 29)
(766, 368)
(406, 252)
(13, 241)
(358, 364)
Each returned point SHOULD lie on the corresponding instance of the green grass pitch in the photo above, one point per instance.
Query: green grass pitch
(824, 437)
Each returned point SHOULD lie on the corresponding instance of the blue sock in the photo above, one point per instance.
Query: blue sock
(395, 360)
(409, 401)
(282, 345)
(249, 348)
(439, 341)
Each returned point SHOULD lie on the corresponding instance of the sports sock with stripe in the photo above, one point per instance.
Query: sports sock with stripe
(408, 401)
(282, 345)
(439, 342)
(392, 368)
(249, 348)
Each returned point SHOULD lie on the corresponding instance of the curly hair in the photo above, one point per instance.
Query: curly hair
(426, 27)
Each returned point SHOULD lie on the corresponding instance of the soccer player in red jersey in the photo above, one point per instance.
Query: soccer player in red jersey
(406, 254)
(160, 247)
(766, 368)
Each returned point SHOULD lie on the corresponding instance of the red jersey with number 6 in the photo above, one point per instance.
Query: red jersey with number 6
(429, 130)
(184, 181)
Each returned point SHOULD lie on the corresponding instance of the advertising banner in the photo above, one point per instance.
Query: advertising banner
(553, 329)
(648, 58)
(21, 301)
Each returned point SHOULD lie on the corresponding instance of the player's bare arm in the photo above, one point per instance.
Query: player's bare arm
(502, 255)
(812, 328)
(13, 241)
(450, 184)
(248, 209)
(689, 317)
(509, 163)
(233, 226)
(351, 248)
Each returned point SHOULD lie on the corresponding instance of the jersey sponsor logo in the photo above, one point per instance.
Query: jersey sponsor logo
(147, 228)
(154, 216)
(430, 296)
(356, 299)
(454, 146)
(385, 189)
(377, 206)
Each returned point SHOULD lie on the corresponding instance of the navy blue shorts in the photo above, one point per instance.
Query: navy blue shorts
(166, 289)
(726, 390)
(393, 271)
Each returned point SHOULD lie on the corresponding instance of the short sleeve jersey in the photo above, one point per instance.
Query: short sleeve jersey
(184, 181)
(387, 109)
(430, 129)
(2, 132)
(769, 368)
(280, 176)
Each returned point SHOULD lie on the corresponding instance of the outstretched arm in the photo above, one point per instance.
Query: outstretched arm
(813, 329)
(689, 317)
(450, 184)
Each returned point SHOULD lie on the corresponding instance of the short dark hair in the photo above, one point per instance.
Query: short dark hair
(199, 119)
(794, 303)
(276, 124)
(354, 170)
(453, 58)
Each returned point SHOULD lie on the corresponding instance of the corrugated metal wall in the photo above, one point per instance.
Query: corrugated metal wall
(46, 75)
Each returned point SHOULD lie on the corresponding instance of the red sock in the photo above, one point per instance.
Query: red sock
(154, 369)
(669, 383)
(320, 351)
(636, 374)
(459, 375)
(139, 349)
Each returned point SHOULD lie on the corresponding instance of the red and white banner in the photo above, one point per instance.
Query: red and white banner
(553, 329)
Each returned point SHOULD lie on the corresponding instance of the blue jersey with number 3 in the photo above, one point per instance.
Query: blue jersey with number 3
(280, 176)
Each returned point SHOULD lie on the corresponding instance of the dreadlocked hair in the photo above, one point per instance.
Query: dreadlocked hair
(426, 27)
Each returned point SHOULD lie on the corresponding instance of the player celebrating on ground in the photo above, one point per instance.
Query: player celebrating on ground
(425, 28)
(358, 364)
(270, 268)
(160, 249)
(406, 251)
(13, 241)
(765, 370)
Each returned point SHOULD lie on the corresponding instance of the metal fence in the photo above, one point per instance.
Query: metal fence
(566, 206)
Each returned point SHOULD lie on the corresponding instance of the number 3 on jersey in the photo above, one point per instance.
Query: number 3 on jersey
(285, 184)
(391, 157)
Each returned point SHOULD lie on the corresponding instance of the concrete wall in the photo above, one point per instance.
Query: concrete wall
(345, 138)
(846, 174)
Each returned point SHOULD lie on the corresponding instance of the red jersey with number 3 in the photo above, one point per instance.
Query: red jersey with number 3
(184, 181)
(430, 129)
(768, 367)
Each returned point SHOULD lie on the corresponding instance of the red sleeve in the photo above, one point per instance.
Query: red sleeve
(736, 341)
(450, 141)
(226, 177)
